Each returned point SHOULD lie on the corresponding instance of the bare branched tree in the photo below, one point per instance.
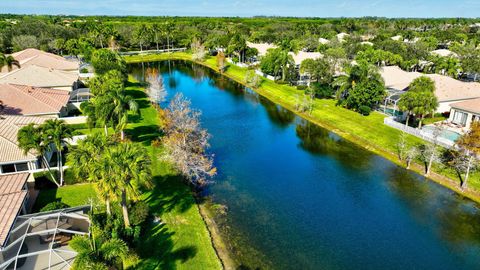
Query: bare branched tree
(156, 90)
(186, 141)
(198, 51)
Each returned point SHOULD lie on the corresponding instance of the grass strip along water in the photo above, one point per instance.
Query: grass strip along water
(367, 131)
(179, 238)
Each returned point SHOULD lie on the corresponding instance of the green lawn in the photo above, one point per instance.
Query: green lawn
(74, 195)
(367, 131)
(181, 240)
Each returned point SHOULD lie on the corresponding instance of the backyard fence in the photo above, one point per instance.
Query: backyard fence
(427, 136)
(153, 51)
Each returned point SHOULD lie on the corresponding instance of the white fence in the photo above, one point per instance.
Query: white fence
(74, 119)
(419, 133)
(153, 51)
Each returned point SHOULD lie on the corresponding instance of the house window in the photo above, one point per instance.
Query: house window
(8, 168)
(21, 167)
(460, 118)
(18, 167)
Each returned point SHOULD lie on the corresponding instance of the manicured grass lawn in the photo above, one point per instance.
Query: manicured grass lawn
(74, 195)
(367, 131)
(181, 240)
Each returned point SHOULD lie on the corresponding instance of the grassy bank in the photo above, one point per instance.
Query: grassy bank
(367, 131)
(181, 240)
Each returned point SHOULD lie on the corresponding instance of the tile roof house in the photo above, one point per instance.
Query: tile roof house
(33, 101)
(41, 77)
(448, 90)
(464, 113)
(40, 58)
(13, 197)
(12, 158)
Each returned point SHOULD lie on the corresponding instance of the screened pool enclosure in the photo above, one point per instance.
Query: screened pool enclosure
(40, 240)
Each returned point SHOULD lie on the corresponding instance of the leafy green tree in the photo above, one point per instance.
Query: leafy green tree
(420, 98)
(238, 47)
(469, 145)
(128, 164)
(56, 132)
(85, 161)
(104, 60)
(318, 70)
(29, 139)
(98, 254)
(142, 35)
(362, 86)
(407, 103)
(22, 42)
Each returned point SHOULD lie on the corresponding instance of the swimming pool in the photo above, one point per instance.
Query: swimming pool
(447, 134)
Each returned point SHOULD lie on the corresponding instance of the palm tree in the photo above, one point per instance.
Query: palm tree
(55, 133)
(30, 138)
(85, 161)
(8, 61)
(283, 61)
(123, 104)
(129, 165)
(98, 253)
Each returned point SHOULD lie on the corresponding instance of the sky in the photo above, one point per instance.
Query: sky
(248, 8)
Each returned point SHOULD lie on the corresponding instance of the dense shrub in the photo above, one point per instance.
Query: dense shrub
(364, 110)
(138, 213)
(281, 82)
(54, 206)
(301, 87)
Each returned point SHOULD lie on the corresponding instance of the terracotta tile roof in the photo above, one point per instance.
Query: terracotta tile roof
(447, 88)
(472, 105)
(12, 196)
(9, 126)
(40, 77)
(32, 52)
(11, 183)
(10, 206)
(36, 57)
(29, 100)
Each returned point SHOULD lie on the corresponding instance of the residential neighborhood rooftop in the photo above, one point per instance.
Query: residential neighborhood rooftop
(40, 58)
(29, 100)
(447, 88)
(12, 196)
(9, 126)
(40, 77)
(472, 105)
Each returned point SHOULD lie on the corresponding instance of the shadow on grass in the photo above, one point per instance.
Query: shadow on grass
(158, 250)
(145, 134)
(136, 93)
(170, 194)
(45, 197)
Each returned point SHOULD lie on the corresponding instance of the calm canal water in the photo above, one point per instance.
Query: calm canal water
(300, 197)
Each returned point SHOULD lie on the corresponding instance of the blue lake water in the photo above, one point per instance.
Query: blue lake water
(300, 197)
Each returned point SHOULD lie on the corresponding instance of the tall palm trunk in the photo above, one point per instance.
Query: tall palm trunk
(106, 130)
(123, 203)
(122, 135)
(107, 204)
(45, 163)
(60, 165)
